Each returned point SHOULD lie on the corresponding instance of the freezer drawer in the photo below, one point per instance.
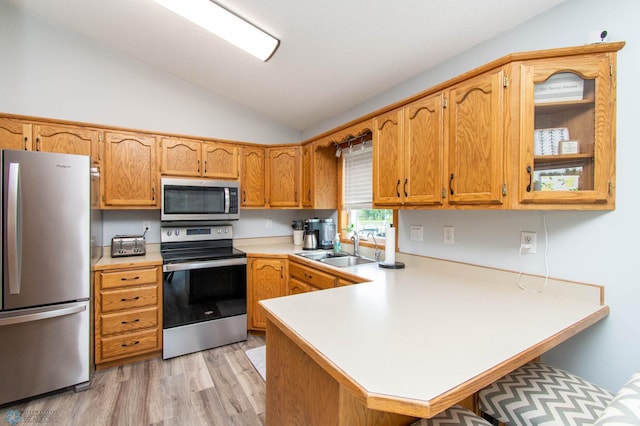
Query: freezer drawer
(43, 349)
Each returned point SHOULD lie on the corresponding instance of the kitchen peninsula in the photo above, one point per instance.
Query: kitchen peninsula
(411, 342)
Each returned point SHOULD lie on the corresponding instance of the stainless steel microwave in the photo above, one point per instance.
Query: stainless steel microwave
(199, 199)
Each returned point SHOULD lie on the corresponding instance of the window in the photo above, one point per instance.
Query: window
(357, 200)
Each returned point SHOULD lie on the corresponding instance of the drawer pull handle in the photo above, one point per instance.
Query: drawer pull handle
(131, 299)
(129, 279)
(308, 276)
(131, 322)
(530, 179)
(124, 345)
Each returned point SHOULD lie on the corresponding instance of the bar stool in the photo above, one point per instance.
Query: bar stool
(454, 416)
(539, 394)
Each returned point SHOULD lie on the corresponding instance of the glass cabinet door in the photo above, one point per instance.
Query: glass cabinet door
(567, 141)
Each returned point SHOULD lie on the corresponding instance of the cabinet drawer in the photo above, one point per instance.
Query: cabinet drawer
(122, 322)
(117, 300)
(311, 276)
(128, 278)
(129, 344)
(297, 287)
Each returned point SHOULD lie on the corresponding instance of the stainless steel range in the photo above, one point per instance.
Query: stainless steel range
(205, 289)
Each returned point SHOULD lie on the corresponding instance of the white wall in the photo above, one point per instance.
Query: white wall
(252, 223)
(596, 247)
(48, 71)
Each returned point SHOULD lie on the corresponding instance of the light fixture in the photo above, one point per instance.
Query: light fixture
(223, 23)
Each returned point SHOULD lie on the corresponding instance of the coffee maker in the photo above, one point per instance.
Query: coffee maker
(324, 230)
(327, 234)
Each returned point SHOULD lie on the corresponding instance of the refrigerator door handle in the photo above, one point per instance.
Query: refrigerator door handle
(14, 237)
(56, 312)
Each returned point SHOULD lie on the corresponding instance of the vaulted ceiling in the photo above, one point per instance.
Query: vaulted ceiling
(333, 54)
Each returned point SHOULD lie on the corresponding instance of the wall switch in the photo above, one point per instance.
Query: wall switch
(528, 242)
(447, 236)
(269, 223)
(417, 233)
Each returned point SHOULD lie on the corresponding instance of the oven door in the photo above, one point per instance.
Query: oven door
(204, 291)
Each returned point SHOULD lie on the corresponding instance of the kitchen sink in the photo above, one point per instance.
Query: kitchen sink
(340, 259)
(344, 261)
(320, 255)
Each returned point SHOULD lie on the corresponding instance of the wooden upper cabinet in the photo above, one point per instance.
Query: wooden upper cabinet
(424, 151)
(388, 174)
(284, 177)
(181, 157)
(45, 137)
(220, 160)
(252, 177)
(130, 171)
(319, 176)
(66, 140)
(15, 134)
(308, 190)
(582, 171)
(476, 152)
(408, 154)
(189, 157)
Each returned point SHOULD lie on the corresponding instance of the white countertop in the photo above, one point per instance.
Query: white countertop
(418, 332)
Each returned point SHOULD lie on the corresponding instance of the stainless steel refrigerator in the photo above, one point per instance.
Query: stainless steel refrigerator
(45, 300)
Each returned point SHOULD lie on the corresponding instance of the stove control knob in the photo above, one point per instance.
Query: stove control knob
(169, 233)
(219, 230)
(177, 232)
(226, 231)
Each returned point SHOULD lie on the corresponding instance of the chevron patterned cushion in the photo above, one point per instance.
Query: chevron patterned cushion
(454, 416)
(625, 407)
(539, 394)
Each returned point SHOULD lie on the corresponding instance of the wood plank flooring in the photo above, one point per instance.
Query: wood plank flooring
(215, 387)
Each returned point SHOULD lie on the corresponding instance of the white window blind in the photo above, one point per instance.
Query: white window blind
(358, 176)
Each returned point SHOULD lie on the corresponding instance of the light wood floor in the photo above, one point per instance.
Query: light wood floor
(215, 387)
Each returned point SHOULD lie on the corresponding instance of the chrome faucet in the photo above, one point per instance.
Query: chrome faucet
(377, 252)
(356, 240)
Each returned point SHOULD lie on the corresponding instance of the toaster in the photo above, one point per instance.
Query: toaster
(128, 245)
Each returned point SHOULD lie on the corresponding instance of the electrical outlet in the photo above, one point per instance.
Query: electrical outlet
(417, 233)
(146, 226)
(269, 223)
(528, 242)
(447, 237)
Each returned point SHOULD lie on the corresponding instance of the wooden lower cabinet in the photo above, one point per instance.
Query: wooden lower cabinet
(266, 278)
(128, 315)
(303, 278)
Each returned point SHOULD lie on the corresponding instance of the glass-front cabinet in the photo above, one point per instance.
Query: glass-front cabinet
(567, 136)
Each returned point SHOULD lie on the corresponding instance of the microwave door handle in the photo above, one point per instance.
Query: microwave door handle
(14, 234)
(227, 199)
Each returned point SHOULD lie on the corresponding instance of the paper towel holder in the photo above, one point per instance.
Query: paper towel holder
(390, 251)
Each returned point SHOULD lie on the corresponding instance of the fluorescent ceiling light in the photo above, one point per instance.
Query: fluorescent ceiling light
(226, 25)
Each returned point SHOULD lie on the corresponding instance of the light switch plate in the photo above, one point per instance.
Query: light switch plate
(417, 233)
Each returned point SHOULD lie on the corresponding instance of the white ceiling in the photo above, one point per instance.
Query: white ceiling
(333, 54)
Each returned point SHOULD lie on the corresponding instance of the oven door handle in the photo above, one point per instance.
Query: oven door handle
(236, 261)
